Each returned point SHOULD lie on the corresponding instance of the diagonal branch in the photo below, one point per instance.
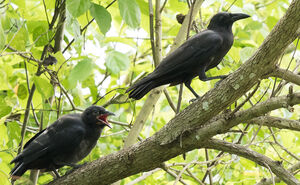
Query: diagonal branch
(149, 154)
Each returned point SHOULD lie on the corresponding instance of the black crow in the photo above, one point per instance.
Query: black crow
(65, 142)
(197, 55)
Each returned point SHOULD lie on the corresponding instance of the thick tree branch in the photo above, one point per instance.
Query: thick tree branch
(286, 75)
(281, 123)
(258, 158)
(149, 154)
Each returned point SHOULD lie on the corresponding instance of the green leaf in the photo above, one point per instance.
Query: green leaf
(116, 62)
(80, 72)
(130, 12)
(13, 132)
(4, 110)
(22, 91)
(77, 7)
(2, 37)
(102, 16)
(43, 86)
(41, 35)
(19, 39)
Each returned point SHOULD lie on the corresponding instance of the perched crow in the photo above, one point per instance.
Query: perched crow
(197, 55)
(65, 142)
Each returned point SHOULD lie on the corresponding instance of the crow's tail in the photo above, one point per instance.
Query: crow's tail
(17, 171)
(141, 88)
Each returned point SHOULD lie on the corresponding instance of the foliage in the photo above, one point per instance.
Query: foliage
(99, 60)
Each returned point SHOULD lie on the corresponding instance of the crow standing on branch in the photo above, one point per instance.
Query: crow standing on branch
(197, 55)
(65, 142)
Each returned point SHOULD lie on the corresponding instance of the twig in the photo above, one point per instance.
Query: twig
(272, 176)
(181, 172)
(144, 176)
(31, 104)
(45, 8)
(165, 168)
(26, 116)
(208, 167)
(151, 28)
(169, 100)
(119, 123)
(246, 100)
(163, 6)
(22, 54)
(179, 98)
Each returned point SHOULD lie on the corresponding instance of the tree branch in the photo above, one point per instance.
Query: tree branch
(149, 154)
(281, 123)
(270, 181)
(286, 75)
(258, 158)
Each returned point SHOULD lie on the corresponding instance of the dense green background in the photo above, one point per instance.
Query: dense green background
(102, 61)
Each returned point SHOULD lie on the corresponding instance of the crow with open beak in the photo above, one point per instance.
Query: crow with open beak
(65, 142)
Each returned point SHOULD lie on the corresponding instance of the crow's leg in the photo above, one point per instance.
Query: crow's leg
(56, 173)
(188, 85)
(203, 77)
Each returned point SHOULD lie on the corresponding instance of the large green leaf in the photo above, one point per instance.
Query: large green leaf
(80, 72)
(4, 110)
(13, 132)
(22, 91)
(102, 17)
(43, 86)
(116, 62)
(78, 7)
(130, 12)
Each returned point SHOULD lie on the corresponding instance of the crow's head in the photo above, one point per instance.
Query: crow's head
(225, 20)
(96, 115)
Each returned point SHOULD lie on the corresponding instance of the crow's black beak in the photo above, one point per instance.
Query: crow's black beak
(109, 113)
(238, 16)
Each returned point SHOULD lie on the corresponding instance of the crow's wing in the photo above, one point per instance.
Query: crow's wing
(63, 135)
(196, 51)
